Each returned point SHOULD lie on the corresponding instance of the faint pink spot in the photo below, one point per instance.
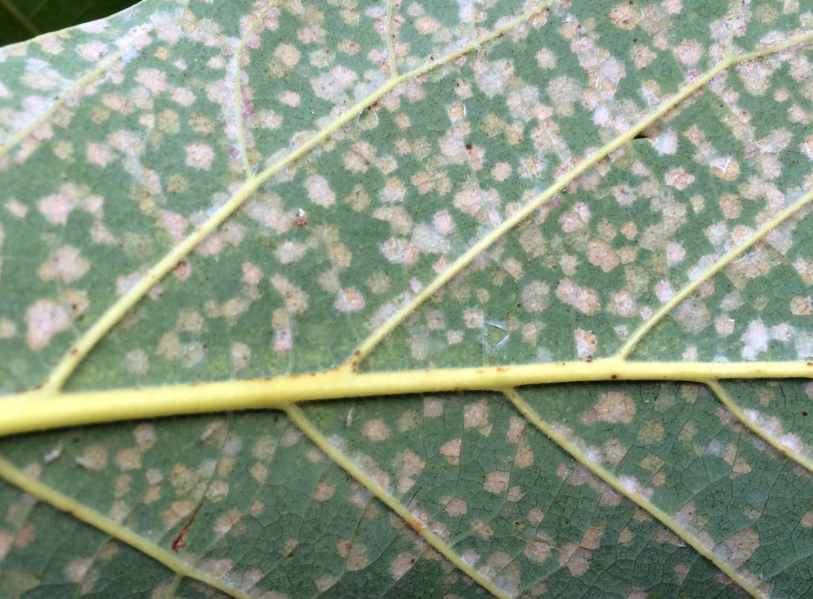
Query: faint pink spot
(678, 178)
(66, 265)
(182, 96)
(126, 283)
(476, 415)
(349, 300)
(496, 482)
(443, 222)
(99, 154)
(451, 451)
(586, 342)
(319, 191)
(289, 98)
(807, 146)
(153, 79)
(17, 208)
(283, 342)
(468, 201)
(199, 156)
(45, 318)
(399, 251)
(474, 318)
(324, 491)
(359, 157)
(601, 254)
(613, 406)
(584, 300)
(175, 223)
(288, 55)
(76, 569)
(251, 274)
(56, 208)
(402, 564)
(376, 430)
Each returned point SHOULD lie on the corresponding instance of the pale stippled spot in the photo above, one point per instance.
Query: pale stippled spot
(613, 406)
(451, 451)
(583, 299)
(456, 507)
(199, 156)
(376, 430)
(77, 569)
(324, 491)
(44, 320)
(402, 564)
(496, 482)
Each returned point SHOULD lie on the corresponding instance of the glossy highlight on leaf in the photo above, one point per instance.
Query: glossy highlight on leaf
(407, 299)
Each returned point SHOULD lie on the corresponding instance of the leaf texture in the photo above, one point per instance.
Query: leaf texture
(211, 206)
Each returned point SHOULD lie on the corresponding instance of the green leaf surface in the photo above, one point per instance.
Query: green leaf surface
(547, 266)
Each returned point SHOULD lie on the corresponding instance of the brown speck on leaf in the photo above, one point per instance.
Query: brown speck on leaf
(178, 541)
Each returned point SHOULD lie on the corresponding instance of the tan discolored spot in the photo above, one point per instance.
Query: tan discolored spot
(66, 265)
(402, 564)
(739, 547)
(586, 342)
(577, 559)
(536, 297)
(199, 156)
(524, 457)
(678, 178)
(324, 491)
(349, 300)
(136, 361)
(356, 555)
(319, 191)
(582, 299)
(93, 458)
(77, 569)
(323, 583)
(497, 482)
(601, 254)
(230, 522)
(613, 406)
(592, 537)
(259, 472)
(44, 319)
(128, 459)
(451, 451)
(376, 430)
(456, 507)
(539, 549)
(625, 16)
(476, 415)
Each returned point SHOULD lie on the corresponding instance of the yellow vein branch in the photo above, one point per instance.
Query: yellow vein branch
(298, 418)
(38, 411)
(753, 425)
(483, 244)
(63, 97)
(577, 454)
(116, 312)
(242, 141)
(54, 498)
(715, 268)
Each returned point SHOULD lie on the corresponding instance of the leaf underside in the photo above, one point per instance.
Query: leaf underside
(208, 191)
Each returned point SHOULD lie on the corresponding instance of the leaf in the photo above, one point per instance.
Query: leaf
(546, 266)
